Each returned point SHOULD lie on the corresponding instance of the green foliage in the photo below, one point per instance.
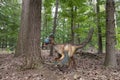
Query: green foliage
(118, 38)
(10, 20)
(84, 17)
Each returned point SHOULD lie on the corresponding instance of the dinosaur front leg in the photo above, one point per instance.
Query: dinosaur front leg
(57, 58)
(60, 57)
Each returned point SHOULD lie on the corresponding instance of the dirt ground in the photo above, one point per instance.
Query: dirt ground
(89, 67)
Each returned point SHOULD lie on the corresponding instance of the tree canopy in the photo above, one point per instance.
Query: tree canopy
(84, 17)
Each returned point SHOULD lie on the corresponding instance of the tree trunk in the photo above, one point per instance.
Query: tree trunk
(100, 48)
(72, 25)
(110, 59)
(29, 37)
(63, 36)
(78, 38)
(46, 25)
(23, 29)
(55, 17)
(54, 25)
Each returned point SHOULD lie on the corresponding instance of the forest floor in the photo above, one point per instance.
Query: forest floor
(89, 67)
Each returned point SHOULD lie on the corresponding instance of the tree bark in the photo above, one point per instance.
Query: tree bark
(110, 59)
(100, 48)
(55, 17)
(29, 37)
(54, 25)
(72, 25)
(23, 29)
(78, 39)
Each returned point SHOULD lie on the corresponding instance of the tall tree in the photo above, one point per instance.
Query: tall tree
(54, 24)
(28, 44)
(72, 24)
(110, 59)
(100, 49)
(55, 17)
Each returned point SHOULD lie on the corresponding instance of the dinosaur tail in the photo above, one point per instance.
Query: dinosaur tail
(87, 40)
